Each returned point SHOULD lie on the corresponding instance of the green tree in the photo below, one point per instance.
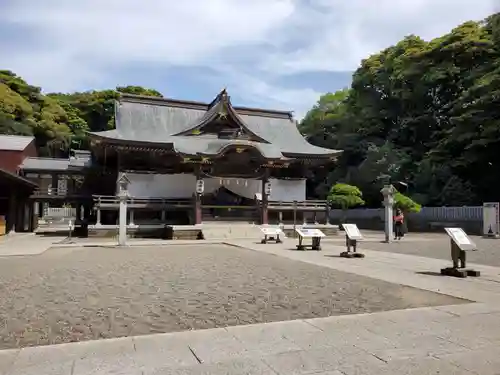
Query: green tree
(422, 111)
(405, 203)
(344, 196)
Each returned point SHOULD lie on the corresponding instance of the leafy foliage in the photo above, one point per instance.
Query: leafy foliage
(406, 204)
(345, 196)
(422, 112)
(58, 121)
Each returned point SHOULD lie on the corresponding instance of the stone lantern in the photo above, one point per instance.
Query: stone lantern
(123, 195)
(388, 192)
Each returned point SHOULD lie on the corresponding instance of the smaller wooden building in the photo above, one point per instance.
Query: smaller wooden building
(16, 209)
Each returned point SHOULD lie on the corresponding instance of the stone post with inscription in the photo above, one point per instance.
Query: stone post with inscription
(388, 192)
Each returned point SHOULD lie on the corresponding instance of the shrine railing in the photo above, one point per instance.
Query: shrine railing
(53, 192)
(113, 202)
(307, 205)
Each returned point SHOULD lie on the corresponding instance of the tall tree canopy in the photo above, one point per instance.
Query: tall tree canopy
(58, 121)
(423, 112)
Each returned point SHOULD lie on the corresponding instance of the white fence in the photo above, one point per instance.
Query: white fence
(59, 213)
(427, 214)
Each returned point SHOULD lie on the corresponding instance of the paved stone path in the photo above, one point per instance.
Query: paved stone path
(457, 339)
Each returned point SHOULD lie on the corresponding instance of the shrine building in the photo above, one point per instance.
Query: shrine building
(186, 163)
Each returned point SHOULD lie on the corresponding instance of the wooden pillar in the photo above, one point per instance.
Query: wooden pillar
(19, 215)
(11, 219)
(78, 212)
(33, 217)
(265, 200)
(55, 179)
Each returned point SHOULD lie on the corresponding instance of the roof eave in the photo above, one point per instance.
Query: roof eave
(333, 153)
(129, 142)
(16, 178)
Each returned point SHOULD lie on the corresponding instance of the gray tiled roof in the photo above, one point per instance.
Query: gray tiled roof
(14, 142)
(57, 164)
(159, 121)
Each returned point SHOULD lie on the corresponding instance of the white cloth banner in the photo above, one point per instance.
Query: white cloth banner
(183, 186)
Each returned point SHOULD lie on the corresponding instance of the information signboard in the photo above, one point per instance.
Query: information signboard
(460, 238)
(271, 231)
(309, 232)
(352, 232)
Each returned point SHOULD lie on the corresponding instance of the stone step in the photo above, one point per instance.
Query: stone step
(230, 230)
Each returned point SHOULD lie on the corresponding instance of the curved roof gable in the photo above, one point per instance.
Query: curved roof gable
(221, 107)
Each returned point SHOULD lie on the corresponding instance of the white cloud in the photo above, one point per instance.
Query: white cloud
(80, 43)
(341, 33)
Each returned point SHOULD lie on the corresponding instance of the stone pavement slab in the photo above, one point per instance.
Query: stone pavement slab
(7, 358)
(458, 339)
(25, 244)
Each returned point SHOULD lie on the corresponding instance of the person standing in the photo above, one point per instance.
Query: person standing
(399, 220)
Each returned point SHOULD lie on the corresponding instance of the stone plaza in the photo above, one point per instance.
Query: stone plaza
(241, 307)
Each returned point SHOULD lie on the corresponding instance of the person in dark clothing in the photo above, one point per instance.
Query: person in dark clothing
(399, 219)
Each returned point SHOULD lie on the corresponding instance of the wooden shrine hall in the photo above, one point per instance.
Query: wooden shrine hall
(244, 161)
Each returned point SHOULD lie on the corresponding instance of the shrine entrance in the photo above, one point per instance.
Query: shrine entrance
(223, 204)
(237, 174)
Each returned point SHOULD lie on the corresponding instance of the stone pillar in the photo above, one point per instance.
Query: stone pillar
(98, 216)
(123, 182)
(122, 226)
(388, 192)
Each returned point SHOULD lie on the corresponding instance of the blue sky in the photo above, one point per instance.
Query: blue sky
(280, 54)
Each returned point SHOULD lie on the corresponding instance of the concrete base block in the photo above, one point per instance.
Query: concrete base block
(459, 272)
(304, 247)
(346, 254)
(272, 239)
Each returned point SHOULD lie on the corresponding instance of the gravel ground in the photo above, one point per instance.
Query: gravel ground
(79, 294)
(433, 245)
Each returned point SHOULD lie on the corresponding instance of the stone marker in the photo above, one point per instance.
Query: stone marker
(352, 236)
(388, 192)
(314, 234)
(460, 243)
